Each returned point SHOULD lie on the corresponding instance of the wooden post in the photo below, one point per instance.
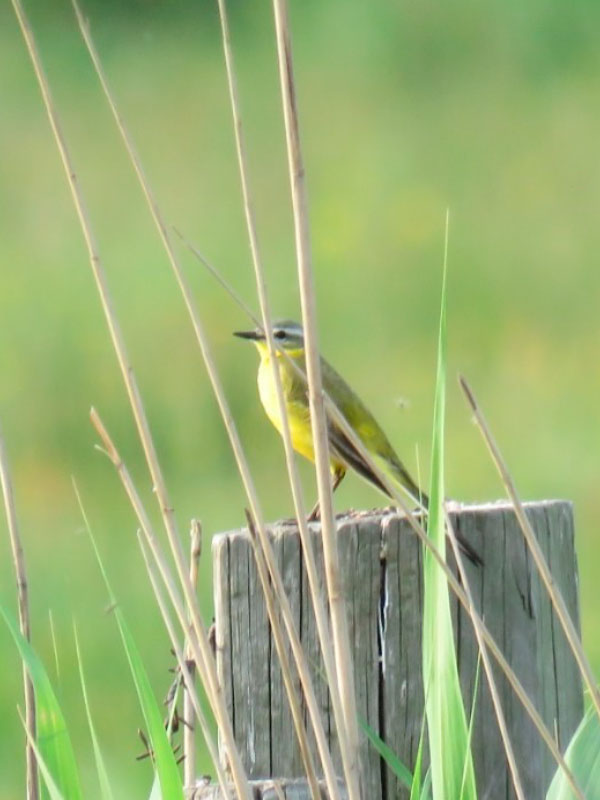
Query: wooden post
(382, 562)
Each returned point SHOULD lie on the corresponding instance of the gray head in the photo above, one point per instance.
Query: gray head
(287, 334)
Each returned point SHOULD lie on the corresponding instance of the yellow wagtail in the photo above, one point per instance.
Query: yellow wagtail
(343, 454)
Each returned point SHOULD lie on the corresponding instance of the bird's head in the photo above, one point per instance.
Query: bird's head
(288, 335)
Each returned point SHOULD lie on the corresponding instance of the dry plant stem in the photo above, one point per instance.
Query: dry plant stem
(284, 662)
(238, 773)
(187, 676)
(320, 612)
(218, 277)
(189, 716)
(487, 666)
(47, 777)
(241, 461)
(337, 604)
(24, 622)
(536, 551)
(200, 648)
(279, 791)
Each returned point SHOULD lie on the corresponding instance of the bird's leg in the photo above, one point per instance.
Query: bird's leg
(338, 476)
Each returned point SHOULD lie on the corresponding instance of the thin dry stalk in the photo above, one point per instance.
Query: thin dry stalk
(189, 716)
(554, 592)
(284, 662)
(239, 776)
(33, 790)
(231, 430)
(276, 786)
(322, 622)
(218, 277)
(200, 646)
(337, 603)
(190, 689)
(487, 666)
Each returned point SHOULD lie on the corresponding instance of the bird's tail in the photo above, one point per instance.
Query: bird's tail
(401, 474)
(420, 497)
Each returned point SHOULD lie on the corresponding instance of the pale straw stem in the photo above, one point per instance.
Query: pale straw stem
(335, 587)
(323, 627)
(24, 618)
(554, 592)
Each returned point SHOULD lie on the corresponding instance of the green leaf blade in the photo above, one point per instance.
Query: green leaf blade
(53, 741)
(452, 772)
(583, 757)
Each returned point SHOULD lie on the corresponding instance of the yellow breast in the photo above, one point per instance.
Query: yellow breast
(296, 404)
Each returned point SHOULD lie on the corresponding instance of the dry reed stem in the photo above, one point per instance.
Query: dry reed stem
(241, 461)
(335, 590)
(190, 689)
(487, 666)
(189, 716)
(47, 777)
(286, 670)
(219, 278)
(554, 593)
(200, 647)
(279, 791)
(135, 400)
(322, 622)
(18, 556)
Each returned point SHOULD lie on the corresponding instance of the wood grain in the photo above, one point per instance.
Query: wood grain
(382, 563)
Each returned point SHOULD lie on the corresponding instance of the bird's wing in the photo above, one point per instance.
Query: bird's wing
(345, 450)
(368, 430)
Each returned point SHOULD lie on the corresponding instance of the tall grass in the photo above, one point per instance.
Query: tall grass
(452, 773)
(451, 760)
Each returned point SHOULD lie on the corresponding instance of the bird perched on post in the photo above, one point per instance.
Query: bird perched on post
(289, 337)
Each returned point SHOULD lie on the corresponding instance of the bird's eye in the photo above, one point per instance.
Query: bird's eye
(279, 334)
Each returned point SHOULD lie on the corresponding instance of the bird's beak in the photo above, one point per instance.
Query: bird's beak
(254, 336)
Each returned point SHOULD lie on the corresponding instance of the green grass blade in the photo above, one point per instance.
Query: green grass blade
(54, 792)
(446, 718)
(53, 741)
(167, 771)
(472, 716)
(399, 769)
(426, 793)
(164, 760)
(417, 792)
(103, 780)
(583, 757)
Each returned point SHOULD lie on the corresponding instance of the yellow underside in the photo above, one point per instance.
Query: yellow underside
(297, 411)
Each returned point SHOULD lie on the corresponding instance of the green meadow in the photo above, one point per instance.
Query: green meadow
(487, 109)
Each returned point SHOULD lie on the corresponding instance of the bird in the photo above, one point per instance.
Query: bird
(344, 455)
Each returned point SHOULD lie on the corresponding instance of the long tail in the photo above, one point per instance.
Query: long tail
(412, 488)
(348, 453)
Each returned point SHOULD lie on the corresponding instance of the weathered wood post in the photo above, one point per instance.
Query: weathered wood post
(382, 564)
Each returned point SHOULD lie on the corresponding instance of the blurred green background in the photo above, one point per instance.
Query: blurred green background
(490, 109)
